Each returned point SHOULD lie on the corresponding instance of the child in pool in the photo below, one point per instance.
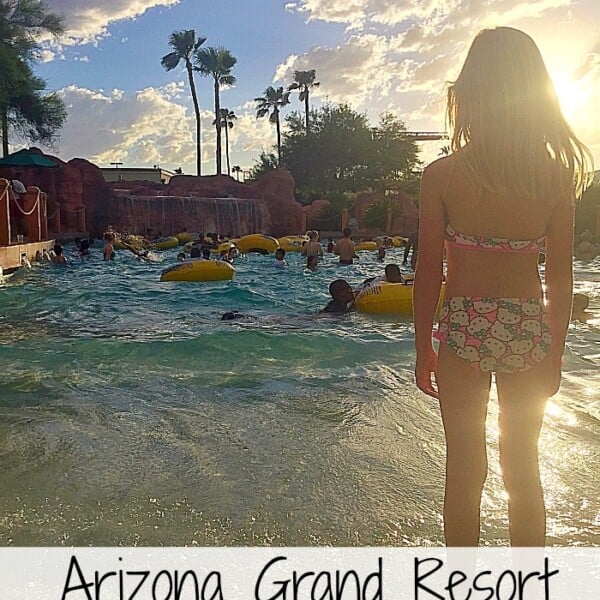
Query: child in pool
(58, 258)
(507, 188)
(108, 251)
(84, 249)
(578, 310)
(280, 258)
(342, 297)
(312, 247)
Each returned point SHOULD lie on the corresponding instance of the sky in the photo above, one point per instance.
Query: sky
(376, 55)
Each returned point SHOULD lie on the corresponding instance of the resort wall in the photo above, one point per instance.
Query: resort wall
(87, 204)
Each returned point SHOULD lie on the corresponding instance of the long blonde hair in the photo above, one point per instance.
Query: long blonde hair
(507, 123)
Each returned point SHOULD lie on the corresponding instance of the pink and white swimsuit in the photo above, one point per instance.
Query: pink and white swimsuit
(506, 335)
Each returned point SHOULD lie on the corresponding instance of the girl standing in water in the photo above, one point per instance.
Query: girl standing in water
(507, 189)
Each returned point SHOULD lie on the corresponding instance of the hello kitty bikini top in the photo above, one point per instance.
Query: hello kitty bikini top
(485, 242)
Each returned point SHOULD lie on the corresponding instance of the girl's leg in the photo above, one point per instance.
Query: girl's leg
(464, 393)
(521, 415)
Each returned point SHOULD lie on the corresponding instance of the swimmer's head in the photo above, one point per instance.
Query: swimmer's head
(340, 290)
(279, 254)
(392, 273)
(580, 303)
(230, 315)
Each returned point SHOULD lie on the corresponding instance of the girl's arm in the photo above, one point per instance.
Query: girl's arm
(428, 275)
(559, 277)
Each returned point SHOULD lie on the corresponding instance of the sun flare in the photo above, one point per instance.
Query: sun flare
(572, 94)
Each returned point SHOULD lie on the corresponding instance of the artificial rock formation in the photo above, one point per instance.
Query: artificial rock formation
(215, 203)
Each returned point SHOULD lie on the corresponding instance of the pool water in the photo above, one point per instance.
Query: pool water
(131, 414)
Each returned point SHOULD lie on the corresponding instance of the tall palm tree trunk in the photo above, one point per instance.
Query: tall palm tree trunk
(198, 125)
(218, 126)
(227, 148)
(278, 141)
(306, 109)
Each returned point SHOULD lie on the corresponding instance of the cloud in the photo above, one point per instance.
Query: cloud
(146, 127)
(360, 14)
(348, 11)
(46, 56)
(398, 54)
(87, 20)
(152, 126)
(351, 72)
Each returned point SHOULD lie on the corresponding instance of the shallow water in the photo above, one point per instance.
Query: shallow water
(130, 414)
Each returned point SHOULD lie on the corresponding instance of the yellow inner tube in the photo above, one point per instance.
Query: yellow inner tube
(165, 243)
(199, 270)
(366, 246)
(389, 298)
(184, 237)
(257, 242)
(292, 243)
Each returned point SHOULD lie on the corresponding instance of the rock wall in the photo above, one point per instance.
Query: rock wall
(215, 203)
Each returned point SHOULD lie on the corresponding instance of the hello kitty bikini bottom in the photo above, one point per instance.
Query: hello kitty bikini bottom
(506, 335)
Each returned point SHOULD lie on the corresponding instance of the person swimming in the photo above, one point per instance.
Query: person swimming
(58, 258)
(313, 246)
(312, 262)
(108, 252)
(345, 248)
(342, 297)
(280, 258)
(578, 309)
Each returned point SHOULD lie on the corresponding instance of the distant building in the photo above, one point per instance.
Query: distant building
(155, 175)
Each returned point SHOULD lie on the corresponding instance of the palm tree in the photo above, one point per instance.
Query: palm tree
(303, 81)
(22, 22)
(227, 118)
(237, 170)
(216, 63)
(272, 102)
(184, 43)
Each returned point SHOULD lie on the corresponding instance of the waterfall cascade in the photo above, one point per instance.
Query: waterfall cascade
(172, 214)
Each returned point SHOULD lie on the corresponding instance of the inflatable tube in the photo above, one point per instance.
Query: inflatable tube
(198, 270)
(225, 246)
(398, 242)
(366, 246)
(388, 299)
(257, 242)
(184, 237)
(292, 243)
(165, 243)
